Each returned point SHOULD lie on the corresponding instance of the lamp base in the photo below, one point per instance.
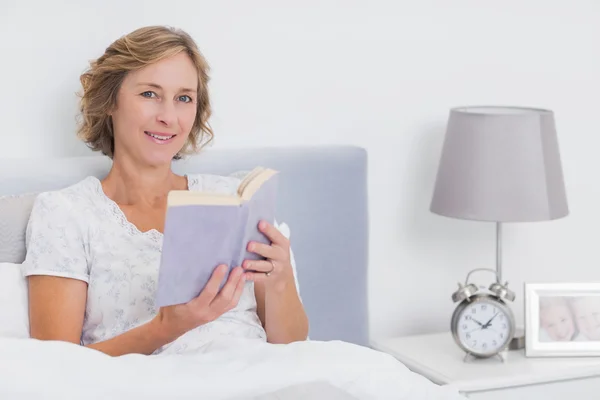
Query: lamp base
(518, 340)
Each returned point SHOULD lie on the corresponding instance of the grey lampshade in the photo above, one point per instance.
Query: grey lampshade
(500, 164)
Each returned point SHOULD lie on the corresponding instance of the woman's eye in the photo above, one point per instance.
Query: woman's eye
(148, 94)
(185, 99)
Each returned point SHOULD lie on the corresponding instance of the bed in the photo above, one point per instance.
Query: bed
(323, 200)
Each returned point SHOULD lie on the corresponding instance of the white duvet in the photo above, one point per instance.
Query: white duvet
(231, 369)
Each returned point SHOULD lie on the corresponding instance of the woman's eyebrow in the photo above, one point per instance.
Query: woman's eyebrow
(154, 85)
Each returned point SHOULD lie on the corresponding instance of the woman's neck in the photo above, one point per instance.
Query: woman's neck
(131, 184)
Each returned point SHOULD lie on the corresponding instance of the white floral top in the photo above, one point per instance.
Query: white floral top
(80, 233)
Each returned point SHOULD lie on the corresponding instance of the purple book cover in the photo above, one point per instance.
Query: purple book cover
(197, 238)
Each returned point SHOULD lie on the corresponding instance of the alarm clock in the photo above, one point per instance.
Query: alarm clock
(483, 324)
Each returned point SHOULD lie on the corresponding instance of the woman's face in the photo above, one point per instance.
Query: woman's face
(155, 111)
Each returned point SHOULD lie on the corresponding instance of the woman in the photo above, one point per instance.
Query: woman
(93, 249)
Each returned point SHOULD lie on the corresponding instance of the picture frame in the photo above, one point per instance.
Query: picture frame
(562, 319)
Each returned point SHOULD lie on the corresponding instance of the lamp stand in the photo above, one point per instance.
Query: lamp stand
(518, 341)
(499, 252)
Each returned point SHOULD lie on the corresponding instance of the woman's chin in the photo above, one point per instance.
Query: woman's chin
(159, 158)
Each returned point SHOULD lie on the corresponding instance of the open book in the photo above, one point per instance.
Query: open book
(203, 230)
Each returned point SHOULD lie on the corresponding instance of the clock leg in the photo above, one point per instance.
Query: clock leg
(501, 356)
(466, 357)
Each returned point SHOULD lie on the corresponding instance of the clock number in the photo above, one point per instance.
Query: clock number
(468, 317)
(502, 336)
(465, 326)
(468, 336)
(504, 326)
(473, 310)
(474, 343)
(494, 343)
(484, 345)
(483, 307)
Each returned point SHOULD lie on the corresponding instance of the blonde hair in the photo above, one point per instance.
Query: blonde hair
(101, 83)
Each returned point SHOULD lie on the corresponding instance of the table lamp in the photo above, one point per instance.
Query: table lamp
(500, 164)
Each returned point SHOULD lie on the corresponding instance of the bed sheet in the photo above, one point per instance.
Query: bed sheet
(229, 369)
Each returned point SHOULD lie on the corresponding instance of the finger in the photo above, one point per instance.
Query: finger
(238, 292)
(273, 233)
(262, 249)
(225, 295)
(256, 277)
(211, 289)
(257, 265)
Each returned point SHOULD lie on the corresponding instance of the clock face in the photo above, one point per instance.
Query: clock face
(484, 327)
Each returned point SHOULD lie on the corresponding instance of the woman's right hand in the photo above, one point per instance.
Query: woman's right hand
(174, 321)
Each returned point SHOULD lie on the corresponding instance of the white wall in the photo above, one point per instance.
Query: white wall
(377, 74)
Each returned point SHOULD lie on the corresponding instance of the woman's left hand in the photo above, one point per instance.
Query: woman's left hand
(276, 271)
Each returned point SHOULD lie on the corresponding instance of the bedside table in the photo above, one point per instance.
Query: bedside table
(438, 358)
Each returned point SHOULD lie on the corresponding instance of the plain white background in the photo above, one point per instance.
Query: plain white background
(378, 74)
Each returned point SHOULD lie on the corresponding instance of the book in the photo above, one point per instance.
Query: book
(204, 229)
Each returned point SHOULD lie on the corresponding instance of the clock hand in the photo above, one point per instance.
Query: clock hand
(487, 324)
(477, 322)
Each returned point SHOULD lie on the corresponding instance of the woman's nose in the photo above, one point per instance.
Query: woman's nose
(167, 113)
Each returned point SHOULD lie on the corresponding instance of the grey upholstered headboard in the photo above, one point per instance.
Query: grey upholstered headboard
(323, 199)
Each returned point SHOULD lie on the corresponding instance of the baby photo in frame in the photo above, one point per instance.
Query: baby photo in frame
(562, 319)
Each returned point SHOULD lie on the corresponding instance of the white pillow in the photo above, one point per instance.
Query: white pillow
(14, 310)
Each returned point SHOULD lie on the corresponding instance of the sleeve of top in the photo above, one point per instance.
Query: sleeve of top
(54, 239)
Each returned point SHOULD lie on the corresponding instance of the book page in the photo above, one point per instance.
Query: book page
(248, 178)
(191, 198)
(255, 182)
